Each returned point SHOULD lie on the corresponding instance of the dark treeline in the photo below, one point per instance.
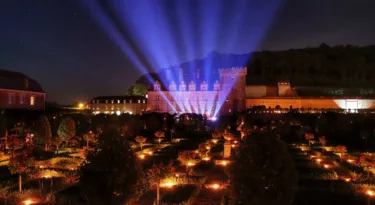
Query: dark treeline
(339, 66)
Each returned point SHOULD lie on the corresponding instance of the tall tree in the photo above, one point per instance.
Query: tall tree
(22, 163)
(67, 128)
(43, 133)
(140, 89)
(140, 140)
(155, 176)
(187, 158)
(57, 140)
(159, 135)
(16, 140)
(3, 133)
(323, 141)
(89, 137)
(112, 170)
(263, 172)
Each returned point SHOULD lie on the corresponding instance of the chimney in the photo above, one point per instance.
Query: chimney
(26, 82)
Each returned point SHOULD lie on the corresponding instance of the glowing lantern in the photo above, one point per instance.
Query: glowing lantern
(190, 164)
(327, 166)
(206, 159)
(142, 156)
(350, 161)
(28, 202)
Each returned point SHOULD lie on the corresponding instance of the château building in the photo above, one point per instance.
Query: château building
(118, 104)
(229, 94)
(20, 92)
(192, 94)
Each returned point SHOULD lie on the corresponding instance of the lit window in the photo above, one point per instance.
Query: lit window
(112, 101)
(144, 101)
(139, 101)
(124, 101)
(10, 98)
(118, 101)
(32, 100)
(130, 101)
(21, 99)
(106, 101)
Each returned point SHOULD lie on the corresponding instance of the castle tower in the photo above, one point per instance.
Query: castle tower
(233, 84)
(168, 74)
(180, 75)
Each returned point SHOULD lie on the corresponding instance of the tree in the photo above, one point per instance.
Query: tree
(16, 139)
(216, 135)
(43, 133)
(89, 137)
(159, 134)
(3, 133)
(57, 140)
(262, 172)
(309, 137)
(365, 161)
(228, 136)
(67, 129)
(341, 150)
(21, 164)
(140, 89)
(140, 140)
(187, 158)
(155, 176)
(173, 131)
(322, 141)
(112, 170)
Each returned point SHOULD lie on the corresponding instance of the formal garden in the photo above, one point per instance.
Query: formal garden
(182, 159)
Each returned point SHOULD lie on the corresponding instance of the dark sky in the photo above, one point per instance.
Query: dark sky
(78, 49)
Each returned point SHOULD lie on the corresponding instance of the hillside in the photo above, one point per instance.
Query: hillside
(340, 66)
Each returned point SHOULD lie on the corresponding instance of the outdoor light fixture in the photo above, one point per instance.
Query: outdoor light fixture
(206, 159)
(190, 164)
(29, 202)
(350, 161)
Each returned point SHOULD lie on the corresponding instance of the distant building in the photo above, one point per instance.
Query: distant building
(20, 92)
(118, 104)
(285, 96)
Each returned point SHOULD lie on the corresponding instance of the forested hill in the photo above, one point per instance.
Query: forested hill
(339, 66)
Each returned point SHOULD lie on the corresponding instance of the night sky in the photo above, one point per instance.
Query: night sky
(80, 49)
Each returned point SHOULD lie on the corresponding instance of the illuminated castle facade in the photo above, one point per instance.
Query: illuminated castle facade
(229, 94)
(195, 95)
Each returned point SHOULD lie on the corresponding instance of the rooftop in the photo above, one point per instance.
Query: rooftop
(17, 81)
